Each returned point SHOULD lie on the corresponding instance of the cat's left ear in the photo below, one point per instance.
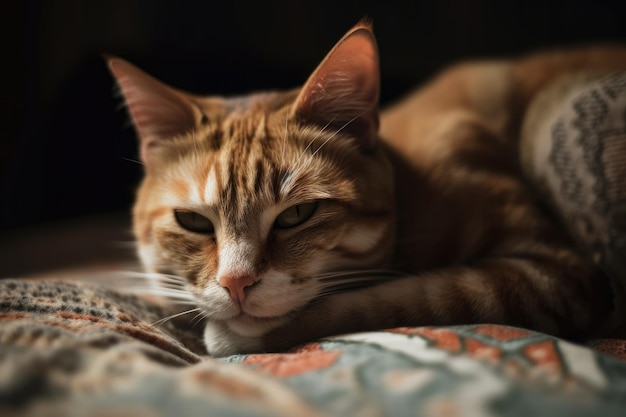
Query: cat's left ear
(159, 112)
(343, 91)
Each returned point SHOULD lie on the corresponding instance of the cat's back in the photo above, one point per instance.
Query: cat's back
(467, 93)
(491, 94)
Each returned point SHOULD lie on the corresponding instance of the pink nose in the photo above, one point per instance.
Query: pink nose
(236, 285)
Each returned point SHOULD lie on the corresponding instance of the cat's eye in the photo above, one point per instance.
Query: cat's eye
(194, 222)
(295, 215)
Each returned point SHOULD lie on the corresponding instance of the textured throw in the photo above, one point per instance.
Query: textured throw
(69, 349)
(574, 152)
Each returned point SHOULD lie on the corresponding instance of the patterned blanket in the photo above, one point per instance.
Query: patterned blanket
(71, 349)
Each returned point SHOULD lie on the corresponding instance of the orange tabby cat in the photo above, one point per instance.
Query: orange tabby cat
(288, 216)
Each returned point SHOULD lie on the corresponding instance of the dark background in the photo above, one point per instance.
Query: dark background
(66, 147)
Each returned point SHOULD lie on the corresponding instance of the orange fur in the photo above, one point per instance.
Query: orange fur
(436, 196)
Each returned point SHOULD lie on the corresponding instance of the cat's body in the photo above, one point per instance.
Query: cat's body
(265, 205)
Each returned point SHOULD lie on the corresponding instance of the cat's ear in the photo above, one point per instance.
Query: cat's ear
(343, 91)
(158, 112)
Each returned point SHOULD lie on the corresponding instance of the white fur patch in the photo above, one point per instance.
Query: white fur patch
(211, 194)
(221, 341)
(236, 258)
(267, 219)
(275, 295)
(193, 198)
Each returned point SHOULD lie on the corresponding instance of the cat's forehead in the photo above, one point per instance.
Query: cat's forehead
(260, 130)
(253, 155)
(234, 124)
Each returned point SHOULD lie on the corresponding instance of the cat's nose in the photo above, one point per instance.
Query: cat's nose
(237, 284)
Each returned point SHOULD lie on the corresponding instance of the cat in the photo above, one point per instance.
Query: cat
(287, 216)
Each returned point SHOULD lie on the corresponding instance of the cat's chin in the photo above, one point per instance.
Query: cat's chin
(251, 326)
(239, 335)
(220, 341)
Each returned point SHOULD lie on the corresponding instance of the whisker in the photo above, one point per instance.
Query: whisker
(345, 287)
(374, 274)
(117, 279)
(319, 133)
(168, 292)
(171, 287)
(295, 164)
(165, 289)
(173, 316)
(298, 163)
(331, 283)
(336, 133)
(198, 318)
(133, 160)
(154, 276)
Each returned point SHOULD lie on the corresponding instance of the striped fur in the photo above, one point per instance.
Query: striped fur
(432, 224)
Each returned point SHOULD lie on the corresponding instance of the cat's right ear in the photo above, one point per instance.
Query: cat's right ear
(343, 91)
(158, 112)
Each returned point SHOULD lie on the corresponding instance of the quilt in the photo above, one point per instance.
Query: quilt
(76, 349)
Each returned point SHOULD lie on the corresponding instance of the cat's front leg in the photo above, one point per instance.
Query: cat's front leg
(221, 341)
(561, 296)
(330, 316)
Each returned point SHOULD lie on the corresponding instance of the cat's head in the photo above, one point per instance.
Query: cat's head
(259, 201)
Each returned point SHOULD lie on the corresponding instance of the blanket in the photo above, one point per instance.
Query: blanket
(75, 349)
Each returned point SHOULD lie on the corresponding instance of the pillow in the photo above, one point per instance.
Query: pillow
(573, 150)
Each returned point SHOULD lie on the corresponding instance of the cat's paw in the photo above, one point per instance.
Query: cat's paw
(221, 341)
